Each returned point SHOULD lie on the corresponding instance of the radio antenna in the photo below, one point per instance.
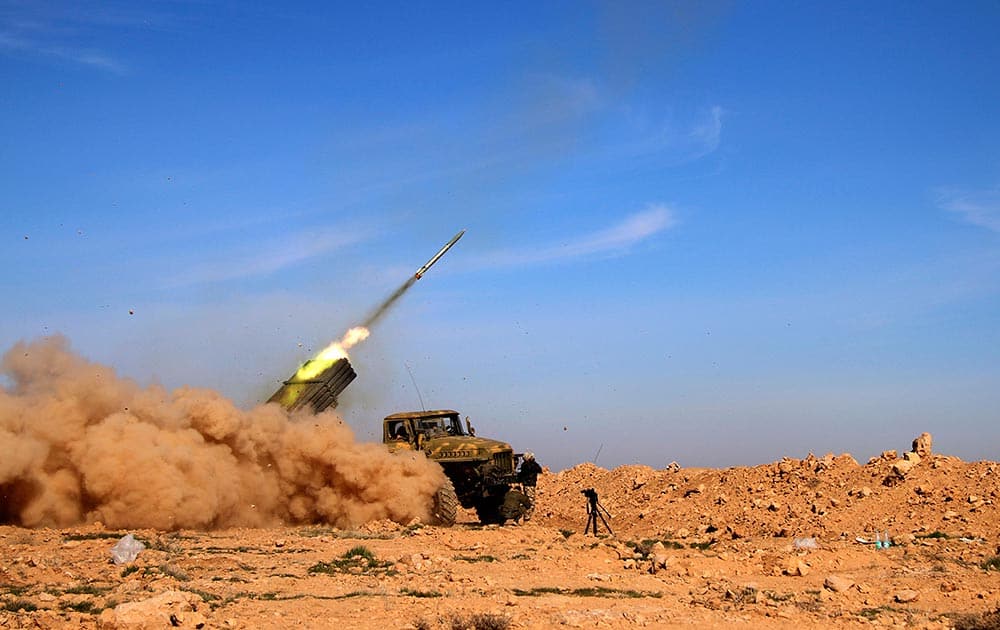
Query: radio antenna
(414, 381)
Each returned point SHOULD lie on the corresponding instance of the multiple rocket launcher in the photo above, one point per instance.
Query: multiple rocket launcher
(317, 393)
(321, 391)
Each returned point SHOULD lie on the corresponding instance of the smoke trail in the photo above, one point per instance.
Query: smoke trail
(377, 314)
(80, 444)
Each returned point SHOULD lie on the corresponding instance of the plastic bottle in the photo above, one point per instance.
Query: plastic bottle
(885, 541)
(878, 541)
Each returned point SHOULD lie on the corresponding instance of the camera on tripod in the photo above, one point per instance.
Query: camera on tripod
(594, 512)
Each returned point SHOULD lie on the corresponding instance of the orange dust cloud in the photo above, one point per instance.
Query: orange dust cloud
(80, 444)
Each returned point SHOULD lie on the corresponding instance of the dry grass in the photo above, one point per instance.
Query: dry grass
(19, 605)
(592, 591)
(409, 592)
(359, 560)
(480, 621)
(476, 558)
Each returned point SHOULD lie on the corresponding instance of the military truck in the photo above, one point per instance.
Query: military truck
(481, 472)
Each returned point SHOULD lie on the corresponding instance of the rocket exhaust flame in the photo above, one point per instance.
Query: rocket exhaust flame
(333, 352)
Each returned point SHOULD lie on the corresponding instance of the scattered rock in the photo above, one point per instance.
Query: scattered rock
(904, 539)
(660, 561)
(176, 609)
(905, 596)
(413, 559)
(838, 583)
(902, 467)
(922, 445)
(695, 490)
(736, 531)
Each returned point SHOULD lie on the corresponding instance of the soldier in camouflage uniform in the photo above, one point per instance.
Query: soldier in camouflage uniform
(516, 505)
(528, 476)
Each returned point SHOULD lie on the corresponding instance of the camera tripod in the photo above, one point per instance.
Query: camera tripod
(595, 511)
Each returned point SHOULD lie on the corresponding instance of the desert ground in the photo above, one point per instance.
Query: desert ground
(774, 545)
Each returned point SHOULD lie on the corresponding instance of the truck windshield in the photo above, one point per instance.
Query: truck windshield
(441, 425)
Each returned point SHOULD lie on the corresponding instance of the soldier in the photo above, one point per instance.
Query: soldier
(528, 476)
(397, 431)
(515, 506)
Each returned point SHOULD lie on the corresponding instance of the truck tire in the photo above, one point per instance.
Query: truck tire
(445, 507)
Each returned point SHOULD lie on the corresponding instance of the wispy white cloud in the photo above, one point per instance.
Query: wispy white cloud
(980, 208)
(85, 57)
(527, 138)
(268, 258)
(666, 139)
(616, 239)
(707, 134)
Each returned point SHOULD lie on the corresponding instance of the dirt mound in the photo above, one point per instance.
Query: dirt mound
(823, 497)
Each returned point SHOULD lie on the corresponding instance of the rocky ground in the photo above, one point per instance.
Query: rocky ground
(772, 545)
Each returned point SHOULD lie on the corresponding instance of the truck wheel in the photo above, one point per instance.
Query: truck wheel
(445, 507)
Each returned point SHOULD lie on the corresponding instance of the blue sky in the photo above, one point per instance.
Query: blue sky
(716, 233)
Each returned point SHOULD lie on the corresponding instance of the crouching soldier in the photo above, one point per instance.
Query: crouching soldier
(515, 506)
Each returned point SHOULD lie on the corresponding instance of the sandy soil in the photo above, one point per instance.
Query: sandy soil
(714, 548)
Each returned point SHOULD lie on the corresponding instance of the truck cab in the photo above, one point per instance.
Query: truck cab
(414, 428)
